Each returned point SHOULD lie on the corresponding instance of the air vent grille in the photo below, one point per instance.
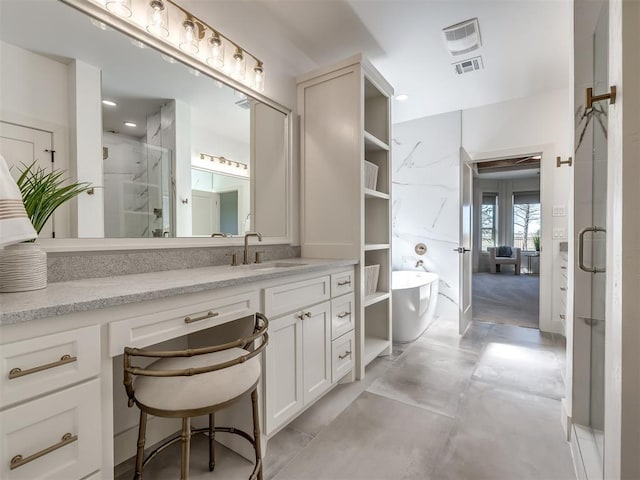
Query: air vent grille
(470, 65)
(463, 37)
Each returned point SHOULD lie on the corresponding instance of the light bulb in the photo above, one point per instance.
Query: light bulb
(157, 18)
(122, 8)
(258, 81)
(216, 53)
(189, 37)
(238, 66)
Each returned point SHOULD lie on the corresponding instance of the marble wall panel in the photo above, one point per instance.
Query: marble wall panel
(426, 200)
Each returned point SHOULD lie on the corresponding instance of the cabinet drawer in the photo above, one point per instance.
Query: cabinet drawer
(342, 283)
(160, 326)
(294, 296)
(342, 315)
(58, 436)
(342, 354)
(44, 364)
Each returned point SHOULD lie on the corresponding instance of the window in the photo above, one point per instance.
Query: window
(526, 219)
(489, 220)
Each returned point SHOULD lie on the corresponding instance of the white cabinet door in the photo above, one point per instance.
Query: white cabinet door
(316, 350)
(283, 359)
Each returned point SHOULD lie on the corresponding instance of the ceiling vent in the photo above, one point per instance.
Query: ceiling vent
(463, 37)
(470, 65)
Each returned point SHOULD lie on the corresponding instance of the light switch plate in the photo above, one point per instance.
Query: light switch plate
(559, 211)
(559, 233)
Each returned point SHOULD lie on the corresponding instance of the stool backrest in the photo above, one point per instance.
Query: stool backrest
(260, 334)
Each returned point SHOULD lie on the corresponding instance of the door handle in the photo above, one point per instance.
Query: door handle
(590, 269)
(461, 250)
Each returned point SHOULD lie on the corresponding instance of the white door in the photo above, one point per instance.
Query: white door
(22, 146)
(205, 210)
(316, 350)
(283, 360)
(466, 220)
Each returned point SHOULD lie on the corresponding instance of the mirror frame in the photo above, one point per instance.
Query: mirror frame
(91, 9)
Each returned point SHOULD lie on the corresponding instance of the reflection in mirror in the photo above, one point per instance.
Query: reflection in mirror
(174, 153)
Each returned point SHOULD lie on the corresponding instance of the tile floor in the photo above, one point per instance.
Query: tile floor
(485, 406)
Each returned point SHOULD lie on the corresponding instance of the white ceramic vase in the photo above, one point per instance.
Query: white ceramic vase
(23, 267)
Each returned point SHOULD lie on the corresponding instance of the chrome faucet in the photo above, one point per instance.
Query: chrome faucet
(420, 263)
(246, 245)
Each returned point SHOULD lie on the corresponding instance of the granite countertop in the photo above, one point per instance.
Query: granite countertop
(89, 294)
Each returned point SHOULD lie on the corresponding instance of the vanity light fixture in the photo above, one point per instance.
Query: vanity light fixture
(226, 165)
(130, 124)
(176, 26)
(157, 18)
(109, 103)
(122, 8)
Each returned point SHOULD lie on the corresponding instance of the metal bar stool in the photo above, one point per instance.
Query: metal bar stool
(193, 382)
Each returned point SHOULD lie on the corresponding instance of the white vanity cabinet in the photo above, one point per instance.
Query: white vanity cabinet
(63, 413)
(300, 364)
(51, 402)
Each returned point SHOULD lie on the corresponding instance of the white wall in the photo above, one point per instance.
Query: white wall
(426, 200)
(622, 381)
(85, 148)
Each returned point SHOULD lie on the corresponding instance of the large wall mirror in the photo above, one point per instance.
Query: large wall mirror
(171, 152)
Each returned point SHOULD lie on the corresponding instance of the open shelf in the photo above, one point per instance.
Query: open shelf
(373, 347)
(375, 246)
(368, 193)
(372, 142)
(375, 298)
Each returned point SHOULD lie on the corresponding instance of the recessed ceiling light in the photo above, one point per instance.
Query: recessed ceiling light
(130, 124)
(109, 103)
(403, 97)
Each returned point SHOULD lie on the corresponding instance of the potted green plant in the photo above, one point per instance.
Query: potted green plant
(536, 242)
(23, 266)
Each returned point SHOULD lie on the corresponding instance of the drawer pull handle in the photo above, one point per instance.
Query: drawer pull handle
(307, 314)
(19, 461)
(563, 267)
(562, 316)
(209, 314)
(344, 282)
(563, 289)
(344, 355)
(344, 314)
(18, 372)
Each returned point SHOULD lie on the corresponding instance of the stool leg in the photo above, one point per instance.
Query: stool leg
(256, 430)
(186, 444)
(142, 429)
(212, 442)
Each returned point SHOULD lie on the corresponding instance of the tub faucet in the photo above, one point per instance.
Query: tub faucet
(246, 245)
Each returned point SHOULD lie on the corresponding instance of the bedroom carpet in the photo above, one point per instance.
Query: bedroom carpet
(506, 298)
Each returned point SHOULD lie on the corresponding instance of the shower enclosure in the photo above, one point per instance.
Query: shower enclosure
(590, 232)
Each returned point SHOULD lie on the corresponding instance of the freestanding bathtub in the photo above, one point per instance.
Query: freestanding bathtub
(415, 295)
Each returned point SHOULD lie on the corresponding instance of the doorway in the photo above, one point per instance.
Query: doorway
(506, 240)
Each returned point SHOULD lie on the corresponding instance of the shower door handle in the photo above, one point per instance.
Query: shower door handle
(590, 269)
(461, 250)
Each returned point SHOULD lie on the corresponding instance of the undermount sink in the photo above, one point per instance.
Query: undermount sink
(273, 266)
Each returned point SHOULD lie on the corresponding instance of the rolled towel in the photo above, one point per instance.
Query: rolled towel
(15, 226)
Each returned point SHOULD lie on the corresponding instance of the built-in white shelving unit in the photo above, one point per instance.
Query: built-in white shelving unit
(346, 120)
